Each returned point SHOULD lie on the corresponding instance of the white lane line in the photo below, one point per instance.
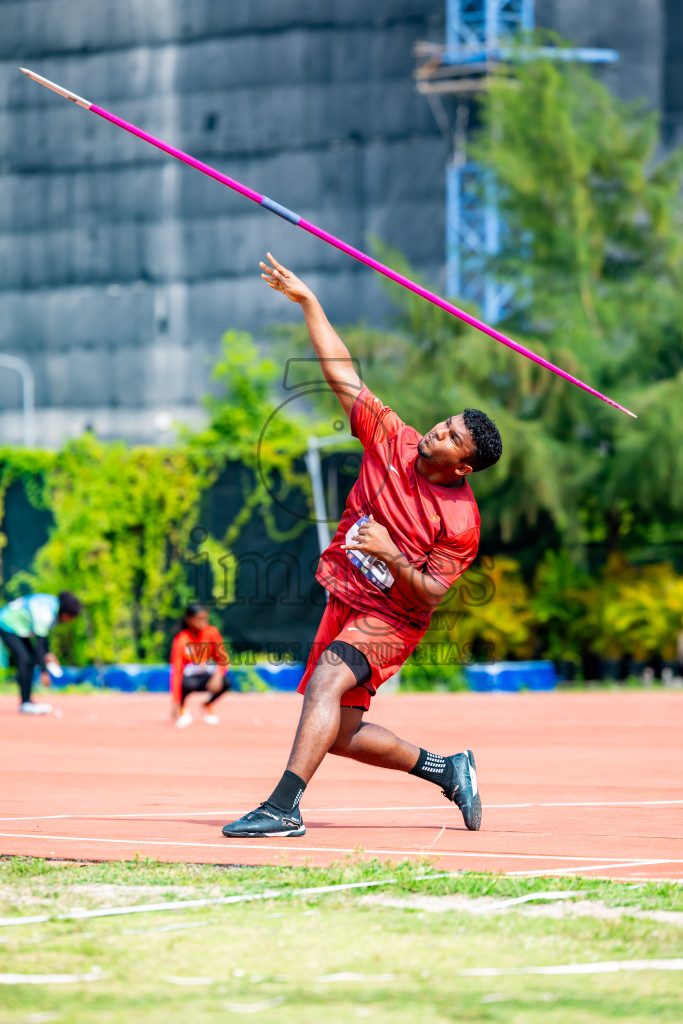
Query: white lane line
(229, 811)
(129, 814)
(37, 817)
(614, 803)
(293, 847)
(606, 967)
(591, 867)
(351, 810)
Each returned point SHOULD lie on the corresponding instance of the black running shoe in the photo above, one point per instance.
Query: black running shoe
(266, 820)
(463, 790)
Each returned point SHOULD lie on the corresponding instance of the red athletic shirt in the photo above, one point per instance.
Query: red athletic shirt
(203, 649)
(436, 528)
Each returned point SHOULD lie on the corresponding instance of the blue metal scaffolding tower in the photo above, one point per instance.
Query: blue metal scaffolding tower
(480, 34)
(475, 29)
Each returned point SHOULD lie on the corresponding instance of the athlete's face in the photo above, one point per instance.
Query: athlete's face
(449, 446)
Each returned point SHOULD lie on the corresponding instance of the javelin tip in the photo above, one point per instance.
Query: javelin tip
(66, 93)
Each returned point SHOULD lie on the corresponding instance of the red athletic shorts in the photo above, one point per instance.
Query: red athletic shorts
(385, 646)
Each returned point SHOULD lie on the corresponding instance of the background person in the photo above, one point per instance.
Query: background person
(199, 664)
(25, 625)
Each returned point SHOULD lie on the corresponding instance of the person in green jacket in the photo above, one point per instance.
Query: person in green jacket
(25, 625)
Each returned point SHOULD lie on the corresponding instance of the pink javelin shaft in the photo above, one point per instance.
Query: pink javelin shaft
(313, 229)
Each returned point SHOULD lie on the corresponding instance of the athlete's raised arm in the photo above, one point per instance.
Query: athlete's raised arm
(334, 357)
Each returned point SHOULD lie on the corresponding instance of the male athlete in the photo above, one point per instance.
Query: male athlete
(409, 530)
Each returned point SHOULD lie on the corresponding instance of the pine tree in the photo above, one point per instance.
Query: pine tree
(593, 239)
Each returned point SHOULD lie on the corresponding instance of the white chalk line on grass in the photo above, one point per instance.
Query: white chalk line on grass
(604, 967)
(228, 845)
(49, 979)
(173, 979)
(347, 977)
(350, 810)
(531, 897)
(164, 928)
(260, 1007)
(212, 901)
(33, 1018)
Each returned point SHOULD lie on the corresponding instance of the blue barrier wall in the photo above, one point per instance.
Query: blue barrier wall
(504, 676)
(511, 676)
(155, 678)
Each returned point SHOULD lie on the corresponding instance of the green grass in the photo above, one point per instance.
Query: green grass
(41, 878)
(275, 952)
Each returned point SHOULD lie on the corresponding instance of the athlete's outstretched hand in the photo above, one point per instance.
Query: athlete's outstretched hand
(283, 280)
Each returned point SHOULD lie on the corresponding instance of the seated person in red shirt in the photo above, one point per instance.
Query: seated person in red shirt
(199, 663)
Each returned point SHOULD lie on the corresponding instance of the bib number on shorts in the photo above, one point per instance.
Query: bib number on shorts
(376, 571)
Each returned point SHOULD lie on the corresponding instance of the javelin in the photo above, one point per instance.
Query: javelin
(313, 229)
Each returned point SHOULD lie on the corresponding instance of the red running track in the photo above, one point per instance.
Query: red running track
(585, 783)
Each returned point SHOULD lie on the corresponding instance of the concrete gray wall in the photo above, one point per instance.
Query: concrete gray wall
(636, 28)
(120, 268)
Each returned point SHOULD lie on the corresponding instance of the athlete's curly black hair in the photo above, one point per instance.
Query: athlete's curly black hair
(485, 436)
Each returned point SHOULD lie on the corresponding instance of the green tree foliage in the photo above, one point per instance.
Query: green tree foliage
(634, 611)
(122, 518)
(248, 425)
(29, 467)
(593, 240)
(558, 606)
(241, 406)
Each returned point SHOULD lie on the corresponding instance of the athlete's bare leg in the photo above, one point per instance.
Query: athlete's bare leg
(320, 716)
(325, 727)
(372, 744)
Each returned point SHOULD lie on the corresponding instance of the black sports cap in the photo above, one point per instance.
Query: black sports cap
(69, 603)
